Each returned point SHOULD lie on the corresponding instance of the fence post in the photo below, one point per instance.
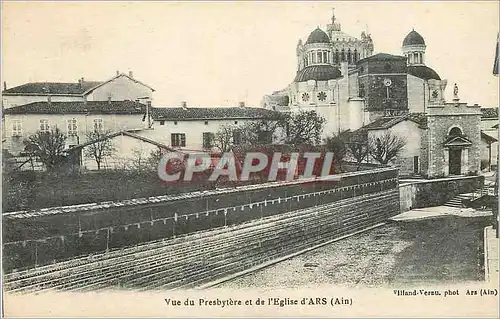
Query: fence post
(107, 240)
(173, 225)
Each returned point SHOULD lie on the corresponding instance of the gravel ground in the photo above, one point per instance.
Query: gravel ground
(447, 249)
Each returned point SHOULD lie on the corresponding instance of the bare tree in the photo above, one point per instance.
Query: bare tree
(383, 148)
(337, 146)
(264, 131)
(357, 147)
(102, 147)
(47, 146)
(304, 127)
(224, 138)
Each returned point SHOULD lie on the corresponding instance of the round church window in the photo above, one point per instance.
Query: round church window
(305, 97)
(322, 96)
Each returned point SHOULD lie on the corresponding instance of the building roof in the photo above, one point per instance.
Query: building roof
(383, 57)
(321, 72)
(413, 38)
(318, 36)
(489, 112)
(211, 113)
(389, 121)
(488, 138)
(55, 88)
(60, 88)
(278, 99)
(77, 107)
(423, 72)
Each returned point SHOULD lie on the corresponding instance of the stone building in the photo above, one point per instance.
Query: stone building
(367, 94)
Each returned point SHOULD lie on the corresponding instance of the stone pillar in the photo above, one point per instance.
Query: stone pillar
(446, 167)
(465, 161)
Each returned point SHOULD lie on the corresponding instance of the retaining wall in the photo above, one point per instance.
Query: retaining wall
(207, 256)
(48, 235)
(428, 193)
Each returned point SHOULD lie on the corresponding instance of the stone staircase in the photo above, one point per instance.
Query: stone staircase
(458, 199)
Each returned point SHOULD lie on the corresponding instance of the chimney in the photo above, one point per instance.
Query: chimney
(131, 74)
(85, 100)
(184, 105)
(109, 99)
(83, 79)
(4, 85)
(117, 72)
(242, 104)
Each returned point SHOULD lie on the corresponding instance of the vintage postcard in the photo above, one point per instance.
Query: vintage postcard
(250, 159)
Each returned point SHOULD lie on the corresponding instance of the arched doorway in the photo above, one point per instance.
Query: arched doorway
(458, 146)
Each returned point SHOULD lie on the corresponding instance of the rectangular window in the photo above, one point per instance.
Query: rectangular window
(44, 126)
(72, 127)
(236, 137)
(313, 58)
(320, 57)
(98, 125)
(325, 56)
(208, 138)
(178, 139)
(265, 137)
(17, 128)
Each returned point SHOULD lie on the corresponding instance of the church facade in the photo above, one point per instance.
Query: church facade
(357, 91)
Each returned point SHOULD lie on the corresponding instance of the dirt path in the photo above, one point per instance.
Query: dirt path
(447, 249)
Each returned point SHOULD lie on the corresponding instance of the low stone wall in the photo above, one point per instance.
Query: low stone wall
(48, 235)
(200, 258)
(428, 193)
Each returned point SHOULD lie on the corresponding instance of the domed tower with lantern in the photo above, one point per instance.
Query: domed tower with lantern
(322, 83)
(425, 86)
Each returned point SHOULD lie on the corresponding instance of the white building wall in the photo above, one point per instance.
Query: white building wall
(193, 129)
(412, 134)
(9, 101)
(129, 153)
(85, 123)
(120, 89)
(417, 94)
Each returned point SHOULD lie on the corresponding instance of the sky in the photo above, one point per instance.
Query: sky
(220, 53)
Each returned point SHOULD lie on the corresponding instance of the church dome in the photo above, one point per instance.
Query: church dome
(423, 72)
(322, 72)
(413, 38)
(318, 36)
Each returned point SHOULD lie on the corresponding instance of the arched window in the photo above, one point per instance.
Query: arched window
(356, 56)
(342, 55)
(349, 56)
(455, 131)
(336, 56)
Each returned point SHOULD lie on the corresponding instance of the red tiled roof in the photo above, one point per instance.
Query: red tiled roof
(93, 107)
